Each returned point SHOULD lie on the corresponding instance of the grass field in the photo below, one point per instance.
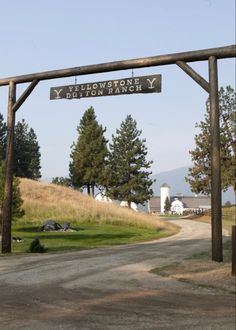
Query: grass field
(47, 201)
(99, 224)
(88, 236)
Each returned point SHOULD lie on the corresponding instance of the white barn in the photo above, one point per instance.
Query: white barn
(179, 203)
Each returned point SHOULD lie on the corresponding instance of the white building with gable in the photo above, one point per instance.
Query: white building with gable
(179, 203)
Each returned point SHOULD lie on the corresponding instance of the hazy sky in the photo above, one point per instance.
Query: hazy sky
(54, 34)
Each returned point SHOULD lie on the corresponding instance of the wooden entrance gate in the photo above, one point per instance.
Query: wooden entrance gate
(180, 59)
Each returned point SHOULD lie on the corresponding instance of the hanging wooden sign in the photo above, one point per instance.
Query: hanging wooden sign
(133, 85)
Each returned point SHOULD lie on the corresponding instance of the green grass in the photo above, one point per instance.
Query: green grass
(100, 224)
(88, 236)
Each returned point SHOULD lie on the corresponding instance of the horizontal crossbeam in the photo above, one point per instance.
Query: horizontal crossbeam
(191, 56)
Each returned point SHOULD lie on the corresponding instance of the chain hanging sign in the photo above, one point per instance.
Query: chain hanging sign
(133, 85)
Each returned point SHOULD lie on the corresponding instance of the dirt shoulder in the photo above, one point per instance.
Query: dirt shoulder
(200, 270)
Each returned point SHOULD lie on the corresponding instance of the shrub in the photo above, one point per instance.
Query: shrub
(36, 247)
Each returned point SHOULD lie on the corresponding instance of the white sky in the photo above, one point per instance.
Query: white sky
(54, 34)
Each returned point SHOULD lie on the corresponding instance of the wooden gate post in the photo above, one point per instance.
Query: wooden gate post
(216, 223)
(7, 202)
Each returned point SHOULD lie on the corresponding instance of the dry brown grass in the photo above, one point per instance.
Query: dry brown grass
(201, 272)
(45, 200)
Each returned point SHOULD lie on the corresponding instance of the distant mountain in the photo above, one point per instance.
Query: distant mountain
(176, 180)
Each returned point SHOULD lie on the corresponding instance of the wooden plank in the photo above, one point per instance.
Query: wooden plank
(132, 85)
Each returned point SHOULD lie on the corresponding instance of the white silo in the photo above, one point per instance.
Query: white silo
(165, 192)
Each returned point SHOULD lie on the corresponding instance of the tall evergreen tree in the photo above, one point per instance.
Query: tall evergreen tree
(88, 154)
(127, 170)
(199, 176)
(3, 138)
(167, 205)
(26, 152)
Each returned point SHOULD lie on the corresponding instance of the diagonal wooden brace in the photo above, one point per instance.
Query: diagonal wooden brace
(25, 94)
(194, 75)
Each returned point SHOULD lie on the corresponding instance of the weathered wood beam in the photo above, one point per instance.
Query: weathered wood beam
(25, 94)
(194, 75)
(216, 223)
(7, 201)
(192, 56)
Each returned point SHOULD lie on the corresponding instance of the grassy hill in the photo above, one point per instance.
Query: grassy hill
(98, 224)
(48, 201)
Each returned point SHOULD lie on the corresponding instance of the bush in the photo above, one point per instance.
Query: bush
(36, 247)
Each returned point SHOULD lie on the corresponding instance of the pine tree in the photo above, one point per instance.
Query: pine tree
(128, 178)
(167, 205)
(3, 138)
(89, 153)
(26, 152)
(199, 176)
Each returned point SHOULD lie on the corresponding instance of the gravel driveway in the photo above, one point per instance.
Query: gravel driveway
(111, 288)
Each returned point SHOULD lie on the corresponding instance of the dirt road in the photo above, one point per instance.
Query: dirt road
(111, 288)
